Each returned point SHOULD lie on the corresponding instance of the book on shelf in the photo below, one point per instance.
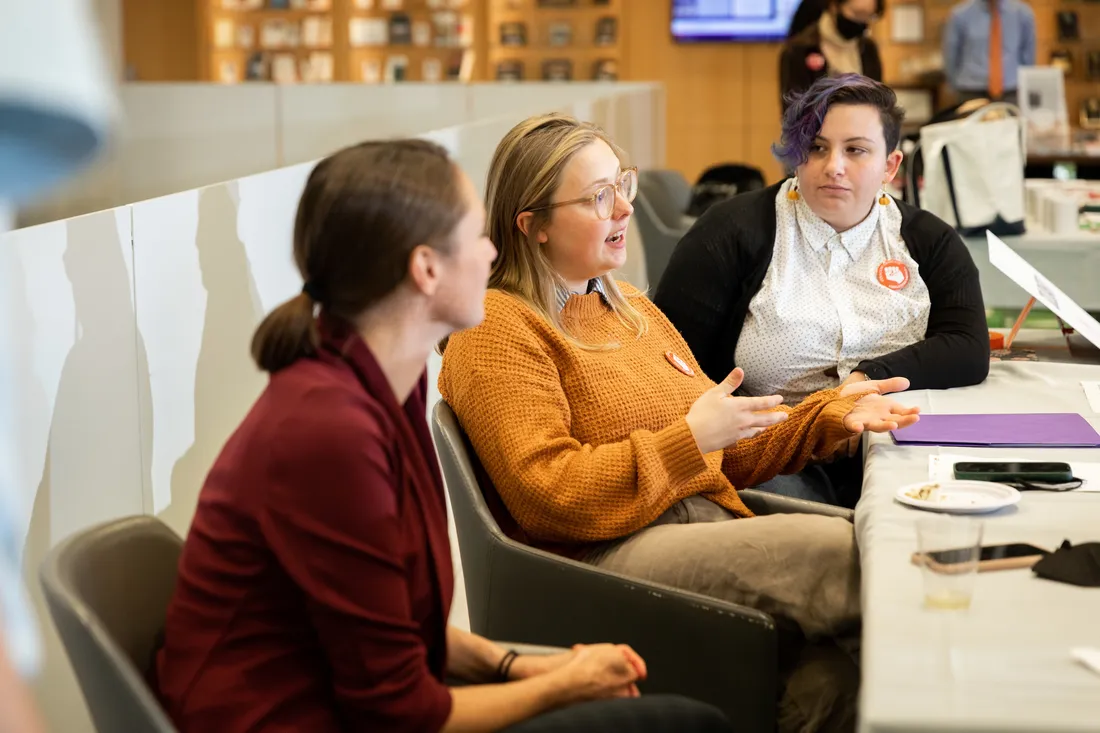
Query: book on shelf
(513, 34)
(397, 68)
(1068, 29)
(557, 70)
(400, 29)
(225, 33)
(422, 33)
(368, 32)
(1062, 58)
(560, 34)
(605, 70)
(431, 70)
(509, 70)
(607, 31)
(370, 71)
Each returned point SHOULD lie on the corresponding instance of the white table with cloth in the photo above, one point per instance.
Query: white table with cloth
(1004, 664)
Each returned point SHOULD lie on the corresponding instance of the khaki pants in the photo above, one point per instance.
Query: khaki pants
(801, 568)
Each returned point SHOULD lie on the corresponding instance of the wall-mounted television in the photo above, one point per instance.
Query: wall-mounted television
(750, 21)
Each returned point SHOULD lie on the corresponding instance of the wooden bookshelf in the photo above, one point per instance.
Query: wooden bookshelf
(243, 41)
(431, 40)
(580, 36)
(338, 40)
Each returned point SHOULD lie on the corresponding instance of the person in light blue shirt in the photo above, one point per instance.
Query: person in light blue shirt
(966, 47)
(57, 107)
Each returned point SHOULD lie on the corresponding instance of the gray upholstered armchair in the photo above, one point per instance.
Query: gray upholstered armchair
(714, 651)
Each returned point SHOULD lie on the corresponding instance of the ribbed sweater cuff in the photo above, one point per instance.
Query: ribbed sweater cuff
(679, 452)
(832, 421)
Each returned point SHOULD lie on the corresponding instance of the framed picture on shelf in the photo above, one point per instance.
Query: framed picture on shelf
(560, 34)
(510, 70)
(246, 36)
(432, 70)
(422, 33)
(1068, 29)
(557, 70)
(513, 34)
(368, 32)
(607, 31)
(605, 70)
(224, 33)
(448, 30)
(370, 71)
(1090, 113)
(284, 68)
(228, 72)
(278, 4)
(1062, 58)
(397, 68)
(400, 29)
(1092, 67)
(256, 69)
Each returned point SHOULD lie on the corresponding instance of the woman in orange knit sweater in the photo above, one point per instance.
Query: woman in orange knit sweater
(603, 436)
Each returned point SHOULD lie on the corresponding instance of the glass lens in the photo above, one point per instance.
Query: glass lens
(628, 185)
(605, 202)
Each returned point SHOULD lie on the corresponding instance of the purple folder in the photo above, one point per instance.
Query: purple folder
(1061, 430)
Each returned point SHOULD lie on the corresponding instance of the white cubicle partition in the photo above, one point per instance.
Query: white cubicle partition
(124, 342)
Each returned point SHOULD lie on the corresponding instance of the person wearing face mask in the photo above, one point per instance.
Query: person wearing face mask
(834, 43)
(825, 280)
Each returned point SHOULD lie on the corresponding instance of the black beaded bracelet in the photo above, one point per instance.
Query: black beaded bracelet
(505, 665)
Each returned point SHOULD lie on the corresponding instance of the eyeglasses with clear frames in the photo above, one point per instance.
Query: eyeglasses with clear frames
(604, 199)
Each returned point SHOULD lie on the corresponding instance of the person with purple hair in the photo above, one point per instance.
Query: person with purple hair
(824, 279)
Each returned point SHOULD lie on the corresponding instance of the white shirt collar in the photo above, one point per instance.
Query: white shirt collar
(819, 234)
(594, 285)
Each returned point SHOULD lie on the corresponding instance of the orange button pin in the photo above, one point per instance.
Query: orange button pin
(679, 364)
(893, 274)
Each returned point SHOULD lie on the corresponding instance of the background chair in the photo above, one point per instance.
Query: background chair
(714, 651)
(721, 182)
(108, 589)
(662, 201)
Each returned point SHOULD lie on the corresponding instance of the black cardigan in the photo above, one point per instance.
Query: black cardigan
(795, 75)
(720, 264)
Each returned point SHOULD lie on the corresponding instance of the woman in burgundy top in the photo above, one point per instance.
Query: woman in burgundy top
(316, 581)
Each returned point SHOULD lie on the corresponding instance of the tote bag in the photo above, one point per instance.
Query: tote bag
(974, 171)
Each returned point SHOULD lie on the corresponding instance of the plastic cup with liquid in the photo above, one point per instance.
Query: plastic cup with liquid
(949, 549)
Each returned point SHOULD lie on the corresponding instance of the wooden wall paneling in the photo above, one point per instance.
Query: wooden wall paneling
(160, 40)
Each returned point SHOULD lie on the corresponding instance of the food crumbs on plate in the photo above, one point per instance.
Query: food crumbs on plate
(923, 493)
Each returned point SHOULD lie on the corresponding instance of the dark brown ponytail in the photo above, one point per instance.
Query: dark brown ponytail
(363, 211)
(288, 333)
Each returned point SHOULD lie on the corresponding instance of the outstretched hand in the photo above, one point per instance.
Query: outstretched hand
(877, 414)
(718, 419)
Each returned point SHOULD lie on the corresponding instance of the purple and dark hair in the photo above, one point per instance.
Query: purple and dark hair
(806, 113)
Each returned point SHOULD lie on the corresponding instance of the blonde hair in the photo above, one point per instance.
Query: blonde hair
(526, 170)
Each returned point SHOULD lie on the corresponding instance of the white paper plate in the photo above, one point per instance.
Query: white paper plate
(959, 497)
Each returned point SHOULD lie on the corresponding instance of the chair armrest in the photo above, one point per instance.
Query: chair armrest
(694, 645)
(765, 502)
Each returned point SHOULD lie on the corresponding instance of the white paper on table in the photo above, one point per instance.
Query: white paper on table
(1092, 391)
(1027, 277)
(1088, 656)
(941, 467)
(907, 23)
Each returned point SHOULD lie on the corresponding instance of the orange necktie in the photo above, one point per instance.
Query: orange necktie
(996, 73)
